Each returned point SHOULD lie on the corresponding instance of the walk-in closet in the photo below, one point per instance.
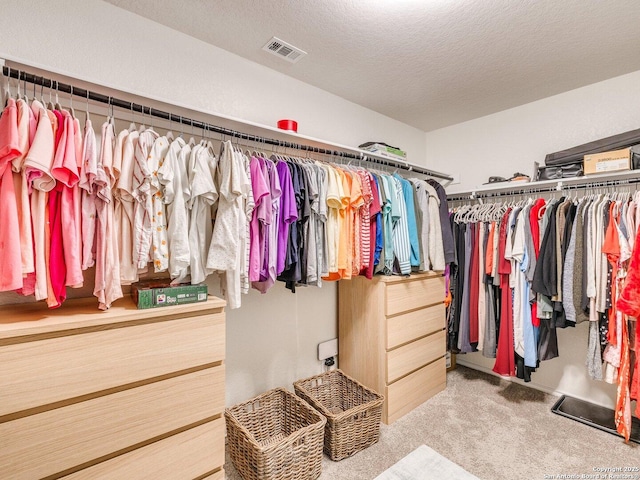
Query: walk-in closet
(319, 240)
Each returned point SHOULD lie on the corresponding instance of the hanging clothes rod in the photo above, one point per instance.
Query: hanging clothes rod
(22, 76)
(530, 189)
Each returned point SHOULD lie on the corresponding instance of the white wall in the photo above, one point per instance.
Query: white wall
(272, 339)
(509, 142)
(512, 140)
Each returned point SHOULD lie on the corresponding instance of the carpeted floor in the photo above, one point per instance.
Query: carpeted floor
(494, 429)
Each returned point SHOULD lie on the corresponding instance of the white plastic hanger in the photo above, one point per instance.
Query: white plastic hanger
(6, 87)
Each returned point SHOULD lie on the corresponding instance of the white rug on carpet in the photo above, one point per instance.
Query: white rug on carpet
(425, 463)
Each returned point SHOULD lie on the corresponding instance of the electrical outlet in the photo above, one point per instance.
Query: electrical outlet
(328, 349)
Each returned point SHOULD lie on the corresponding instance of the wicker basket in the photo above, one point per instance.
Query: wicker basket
(353, 411)
(276, 435)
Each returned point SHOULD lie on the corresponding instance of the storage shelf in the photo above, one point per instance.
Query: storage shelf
(595, 181)
(242, 128)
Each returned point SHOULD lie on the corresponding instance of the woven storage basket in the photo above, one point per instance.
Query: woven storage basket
(276, 435)
(353, 411)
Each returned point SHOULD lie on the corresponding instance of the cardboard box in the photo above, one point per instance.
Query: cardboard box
(450, 359)
(614, 161)
(152, 294)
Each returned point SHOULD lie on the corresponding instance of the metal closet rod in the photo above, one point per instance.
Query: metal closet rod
(117, 102)
(533, 189)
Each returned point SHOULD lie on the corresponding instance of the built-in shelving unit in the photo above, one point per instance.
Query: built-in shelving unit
(628, 177)
(181, 114)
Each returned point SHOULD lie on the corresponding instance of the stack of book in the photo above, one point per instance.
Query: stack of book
(384, 150)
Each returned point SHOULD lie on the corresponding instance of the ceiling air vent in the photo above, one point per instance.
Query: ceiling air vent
(284, 50)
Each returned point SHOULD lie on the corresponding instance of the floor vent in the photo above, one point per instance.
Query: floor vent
(284, 50)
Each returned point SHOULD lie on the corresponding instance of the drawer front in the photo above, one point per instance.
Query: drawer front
(42, 372)
(414, 355)
(183, 456)
(409, 326)
(413, 294)
(57, 440)
(413, 390)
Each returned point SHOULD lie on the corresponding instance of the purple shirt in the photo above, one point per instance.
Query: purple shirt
(268, 272)
(288, 213)
(260, 189)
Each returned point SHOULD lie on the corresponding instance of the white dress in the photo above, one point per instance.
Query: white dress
(142, 192)
(224, 253)
(170, 176)
(125, 212)
(159, 240)
(203, 196)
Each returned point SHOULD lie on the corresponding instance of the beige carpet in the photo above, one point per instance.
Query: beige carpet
(492, 428)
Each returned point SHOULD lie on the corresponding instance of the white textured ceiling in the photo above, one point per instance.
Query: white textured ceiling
(427, 63)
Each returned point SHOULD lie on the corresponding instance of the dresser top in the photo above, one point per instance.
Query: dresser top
(36, 319)
(403, 278)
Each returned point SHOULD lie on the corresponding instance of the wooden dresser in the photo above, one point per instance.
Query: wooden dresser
(126, 393)
(391, 338)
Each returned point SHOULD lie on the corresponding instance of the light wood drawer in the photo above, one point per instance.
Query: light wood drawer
(414, 355)
(413, 390)
(409, 326)
(42, 372)
(186, 455)
(410, 295)
(57, 440)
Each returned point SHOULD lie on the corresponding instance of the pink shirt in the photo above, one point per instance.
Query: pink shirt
(9, 141)
(56, 265)
(65, 165)
(260, 189)
(107, 281)
(57, 268)
(26, 123)
(75, 279)
(88, 172)
(40, 157)
(10, 256)
(65, 170)
(37, 170)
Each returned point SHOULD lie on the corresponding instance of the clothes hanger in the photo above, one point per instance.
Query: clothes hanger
(192, 140)
(203, 141)
(132, 125)
(143, 125)
(42, 92)
(6, 87)
(25, 94)
(490, 211)
(88, 117)
(209, 141)
(475, 211)
(499, 211)
(149, 116)
(169, 134)
(50, 105)
(112, 118)
(24, 90)
(482, 212)
(467, 216)
(458, 215)
(181, 135)
(18, 89)
(71, 110)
